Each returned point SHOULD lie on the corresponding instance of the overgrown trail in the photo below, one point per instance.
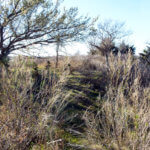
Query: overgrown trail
(85, 92)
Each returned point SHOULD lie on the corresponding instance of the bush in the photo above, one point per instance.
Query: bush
(25, 121)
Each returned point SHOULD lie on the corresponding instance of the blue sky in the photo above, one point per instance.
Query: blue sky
(135, 14)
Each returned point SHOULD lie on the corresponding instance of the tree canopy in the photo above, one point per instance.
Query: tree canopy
(126, 48)
(145, 55)
(24, 23)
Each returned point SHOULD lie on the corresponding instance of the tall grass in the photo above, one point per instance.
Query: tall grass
(34, 98)
(25, 111)
(122, 121)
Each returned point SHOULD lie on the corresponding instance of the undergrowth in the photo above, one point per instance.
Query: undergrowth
(82, 104)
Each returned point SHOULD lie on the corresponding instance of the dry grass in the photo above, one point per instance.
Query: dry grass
(30, 112)
(122, 121)
(25, 119)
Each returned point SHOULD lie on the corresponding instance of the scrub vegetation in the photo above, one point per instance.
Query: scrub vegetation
(100, 101)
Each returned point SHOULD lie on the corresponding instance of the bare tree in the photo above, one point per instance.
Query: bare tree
(112, 29)
(107, 34)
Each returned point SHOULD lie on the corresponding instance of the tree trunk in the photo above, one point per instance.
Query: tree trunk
(57, 54)
(107, 61)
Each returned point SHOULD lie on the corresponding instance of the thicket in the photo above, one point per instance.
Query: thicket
(42, 108)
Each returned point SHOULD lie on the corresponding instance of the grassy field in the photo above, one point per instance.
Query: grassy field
(82, 104)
